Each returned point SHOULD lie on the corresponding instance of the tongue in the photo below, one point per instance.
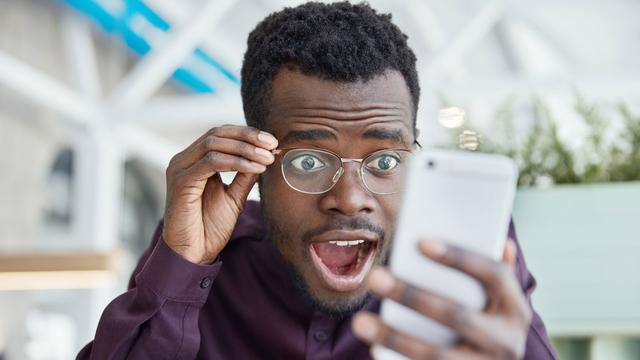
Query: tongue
(336, 256)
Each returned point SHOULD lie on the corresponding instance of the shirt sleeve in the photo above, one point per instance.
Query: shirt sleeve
(538, 344)
(157, 318)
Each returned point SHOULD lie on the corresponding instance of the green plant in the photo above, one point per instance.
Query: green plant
(545, 158)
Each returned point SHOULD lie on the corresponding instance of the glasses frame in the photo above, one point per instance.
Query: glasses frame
(341, 170)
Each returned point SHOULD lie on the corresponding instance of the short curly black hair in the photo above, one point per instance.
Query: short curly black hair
(338, 41)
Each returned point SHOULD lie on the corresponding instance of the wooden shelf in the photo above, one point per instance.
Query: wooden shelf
(32, 271)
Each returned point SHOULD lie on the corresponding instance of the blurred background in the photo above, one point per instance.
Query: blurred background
(97, 95)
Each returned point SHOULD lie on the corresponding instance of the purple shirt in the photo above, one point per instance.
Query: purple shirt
(243, 306)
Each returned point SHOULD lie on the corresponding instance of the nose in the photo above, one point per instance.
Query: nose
(349, 195)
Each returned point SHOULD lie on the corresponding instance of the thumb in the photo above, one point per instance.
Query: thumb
(240, 187)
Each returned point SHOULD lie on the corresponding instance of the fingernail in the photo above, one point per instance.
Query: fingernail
(267, 138)
(381, 281)
(365, 326)
(433, 248)
(264, 153)
(258, 166)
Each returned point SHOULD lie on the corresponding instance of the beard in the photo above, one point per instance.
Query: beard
(332, 309)
(340, 306)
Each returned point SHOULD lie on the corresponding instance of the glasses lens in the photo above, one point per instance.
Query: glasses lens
(310, 171)
(383, 172)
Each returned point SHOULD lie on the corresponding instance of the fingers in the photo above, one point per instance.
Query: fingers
(249, 151)
(500, 330)
(238, 190)
(441, 309)
(504, 295)
(370, 329)
(241, 186)
(484, 331)
(228, 148)
(448, 312)
(247, 142)
(214, 162)
(496, 277)
(509, 254)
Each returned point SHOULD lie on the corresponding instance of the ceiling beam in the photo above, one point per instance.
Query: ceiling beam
(146, 145)
(452, 55)
(75, 109)
(173, 112)
(155, 68)
(222, 47)
(425, 19)
(81, 55)
(51, 93)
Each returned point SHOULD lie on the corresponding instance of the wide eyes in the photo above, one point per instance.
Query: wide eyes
(383, 162)
(307, 163)
(378, 163)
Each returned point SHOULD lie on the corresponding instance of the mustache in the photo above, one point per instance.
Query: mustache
(345, 224)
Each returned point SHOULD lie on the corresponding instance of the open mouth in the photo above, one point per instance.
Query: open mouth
(343, 264)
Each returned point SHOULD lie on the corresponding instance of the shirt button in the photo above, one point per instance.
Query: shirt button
(320, 336)
(205, 283)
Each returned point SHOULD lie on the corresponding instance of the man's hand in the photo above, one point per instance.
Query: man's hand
(201, 210)
(498, 332)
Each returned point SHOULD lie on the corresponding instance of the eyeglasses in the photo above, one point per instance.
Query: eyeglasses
(314, 171)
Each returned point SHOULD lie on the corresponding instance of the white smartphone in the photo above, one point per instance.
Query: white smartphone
(458, 197)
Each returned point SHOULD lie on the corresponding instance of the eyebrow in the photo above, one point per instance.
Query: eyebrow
(385, 134)
(314, 134)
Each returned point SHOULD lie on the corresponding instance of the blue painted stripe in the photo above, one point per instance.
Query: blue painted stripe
(135, 11)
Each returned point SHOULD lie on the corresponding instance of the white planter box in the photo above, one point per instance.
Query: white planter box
(582, 243)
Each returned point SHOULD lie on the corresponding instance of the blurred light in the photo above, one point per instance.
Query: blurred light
(469, 140)
(451, 117)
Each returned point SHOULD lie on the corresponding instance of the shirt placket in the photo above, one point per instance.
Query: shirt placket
(320, 337)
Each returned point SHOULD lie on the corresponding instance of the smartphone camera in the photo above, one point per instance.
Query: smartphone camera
(431, 164)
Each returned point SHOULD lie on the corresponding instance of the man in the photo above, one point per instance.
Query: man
(334, 92)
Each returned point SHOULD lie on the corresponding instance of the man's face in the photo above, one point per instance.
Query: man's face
(351, 120)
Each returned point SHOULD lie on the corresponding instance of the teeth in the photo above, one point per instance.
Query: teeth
(346, 242)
